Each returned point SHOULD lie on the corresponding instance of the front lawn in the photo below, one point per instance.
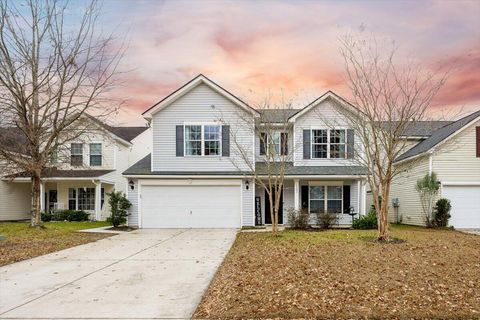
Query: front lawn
(22, 242)
(344, 274)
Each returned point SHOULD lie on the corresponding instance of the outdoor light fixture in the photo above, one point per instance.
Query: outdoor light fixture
(131, 184)
(247, 184)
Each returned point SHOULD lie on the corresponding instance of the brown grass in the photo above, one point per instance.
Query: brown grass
(22, 242)
(344, 274)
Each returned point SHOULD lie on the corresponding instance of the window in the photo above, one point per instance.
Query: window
(193, 140)
(317, 199)
(319, 144)
(76, 154)
(329, 144)
(278, 143)
(86, 198)
(203, 140)
(326, 199)
(211, 136)
(54, 156)
(95, 154)
(72, 199)
(334, 199)
(102, 198)
(337, 144)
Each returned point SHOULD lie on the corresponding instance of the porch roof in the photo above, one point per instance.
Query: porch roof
(57, 173)
(291, 170)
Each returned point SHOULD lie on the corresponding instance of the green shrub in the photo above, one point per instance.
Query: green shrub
(441, 212)
(69, 215)
(366, 222)
(118, 208)
(46, 216)
(298, 219)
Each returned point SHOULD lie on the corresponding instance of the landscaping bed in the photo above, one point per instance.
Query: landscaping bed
(343, 274)
(22, 242)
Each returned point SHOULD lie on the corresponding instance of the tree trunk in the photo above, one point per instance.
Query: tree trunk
(36, 219)
(383, 232)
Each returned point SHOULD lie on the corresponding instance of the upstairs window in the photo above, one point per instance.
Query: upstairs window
(278, 143)
(203, 140)
(76, 154)
(95, 154)
(329, 144)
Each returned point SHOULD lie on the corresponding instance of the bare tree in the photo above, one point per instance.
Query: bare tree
(55, 71)
(389, 97)
(272, 130)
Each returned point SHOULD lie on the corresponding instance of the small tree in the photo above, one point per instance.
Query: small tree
(118, 208)
(427, 189)
(442, 212)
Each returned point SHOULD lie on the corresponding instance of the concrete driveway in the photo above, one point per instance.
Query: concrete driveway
(144, 274)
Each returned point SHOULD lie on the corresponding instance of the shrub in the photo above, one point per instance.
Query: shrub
(326, 220)
(441, 212)
(298, 219)
(46, 216)
(366, 222)
(118, 208)
(68, 215)
(427, 189)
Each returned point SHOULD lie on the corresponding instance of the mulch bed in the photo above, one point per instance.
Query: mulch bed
(122, 228)
(339, 275)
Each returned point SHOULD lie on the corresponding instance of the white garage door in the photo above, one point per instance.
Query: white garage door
(465, 202)
(190, 206)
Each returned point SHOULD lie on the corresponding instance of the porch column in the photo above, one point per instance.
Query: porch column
(98, 200)
(42, 196)
(296, 193)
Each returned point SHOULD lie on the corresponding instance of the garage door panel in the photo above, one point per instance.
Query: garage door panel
(465, 202)
(191, 206)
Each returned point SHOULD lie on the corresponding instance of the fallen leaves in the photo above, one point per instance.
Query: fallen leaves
(338, 274)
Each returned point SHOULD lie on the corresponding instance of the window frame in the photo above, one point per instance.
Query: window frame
(278, 145)
(325, 196)
(329, 144)
(202, 139)
(90, 154)
(76, 194)
(76, 154)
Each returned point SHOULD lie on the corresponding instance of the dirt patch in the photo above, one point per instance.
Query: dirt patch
(339, 275)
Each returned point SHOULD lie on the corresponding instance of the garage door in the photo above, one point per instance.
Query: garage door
(465, 202)
(190, 206)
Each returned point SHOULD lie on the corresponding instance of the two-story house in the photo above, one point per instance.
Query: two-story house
(89, 167)
(197, 176)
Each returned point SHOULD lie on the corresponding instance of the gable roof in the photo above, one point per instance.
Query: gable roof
(189, 86)
(438, 136)
(127, 133)
(327, 95)
(277, 115)
(423, 128)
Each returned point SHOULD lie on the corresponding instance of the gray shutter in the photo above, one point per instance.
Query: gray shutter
(263, 139)
(306, 144)
(284, 143)
(225, 141)
(350, 143)
(179, 141)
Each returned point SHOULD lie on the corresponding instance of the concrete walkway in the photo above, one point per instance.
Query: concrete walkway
(144, 274)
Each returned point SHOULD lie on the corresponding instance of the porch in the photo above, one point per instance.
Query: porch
(341, 196)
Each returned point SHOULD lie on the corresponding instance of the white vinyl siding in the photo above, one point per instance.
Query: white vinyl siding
(15, 201)
(200, 105)
(248, 198)
(132, 196)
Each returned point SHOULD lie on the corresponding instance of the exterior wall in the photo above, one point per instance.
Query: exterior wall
(196, 107)
(132, 196)
(141, 146)
(456, 160)
(403, 188)
(15, 200)
(324, 116)
(248, 210)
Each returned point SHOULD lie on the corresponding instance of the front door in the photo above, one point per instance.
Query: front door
(52, 199)
(268, 217)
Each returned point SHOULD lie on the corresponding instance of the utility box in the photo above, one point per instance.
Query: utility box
(395, 202)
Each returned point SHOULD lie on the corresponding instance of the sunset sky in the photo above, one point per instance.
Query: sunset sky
(255, 47)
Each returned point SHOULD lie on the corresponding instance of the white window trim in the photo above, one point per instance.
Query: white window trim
(328, 142)
(202, 125)
(325, 198)
(77, 194)
(83, 153)
(90, 153)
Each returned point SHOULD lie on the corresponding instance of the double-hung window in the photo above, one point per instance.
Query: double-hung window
(329, 144)
(72, 199)
(76, 154)
(203, 140)
(81, 199)
(326, 199)
(95, 154)
(277, 143)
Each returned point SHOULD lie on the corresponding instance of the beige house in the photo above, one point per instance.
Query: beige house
(92, 166)
(452, 151)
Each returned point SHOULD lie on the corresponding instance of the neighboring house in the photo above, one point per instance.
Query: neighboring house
(452, 151)
(92, 166)
(195, 175)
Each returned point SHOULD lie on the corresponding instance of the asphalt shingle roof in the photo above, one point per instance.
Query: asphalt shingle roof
(277, 115)
(56, 173)
(438, 136)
